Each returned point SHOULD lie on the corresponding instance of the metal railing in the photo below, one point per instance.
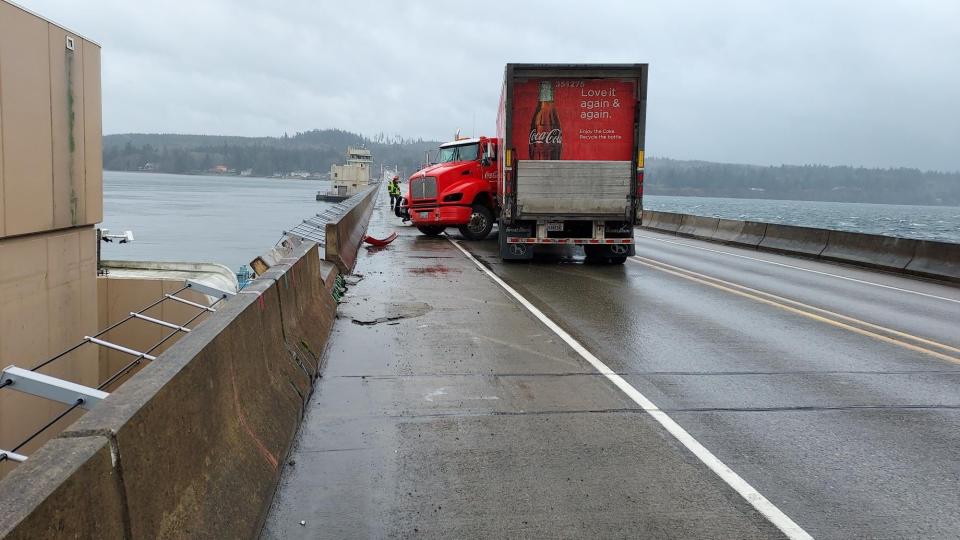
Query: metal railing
(74, 395)
(314, 229)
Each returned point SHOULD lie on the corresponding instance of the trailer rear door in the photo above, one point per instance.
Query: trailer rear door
(575, 137)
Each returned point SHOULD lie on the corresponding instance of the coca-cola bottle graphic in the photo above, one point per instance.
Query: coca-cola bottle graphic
(545, 133)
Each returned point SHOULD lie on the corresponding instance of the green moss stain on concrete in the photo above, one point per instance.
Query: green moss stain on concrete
(71, 142)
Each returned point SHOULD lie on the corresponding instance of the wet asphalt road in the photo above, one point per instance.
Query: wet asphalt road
(851, 430)
(447, 410)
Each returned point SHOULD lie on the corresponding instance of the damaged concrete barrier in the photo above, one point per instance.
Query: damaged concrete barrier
(345, 233)
(306, 304)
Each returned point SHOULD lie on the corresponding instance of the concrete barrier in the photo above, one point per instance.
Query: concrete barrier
(936, 259)
(698, 226)
(206, 426)
(662, 221)
(795, 240)
(306, 304)
(884, 252)
(193, 444)
(69, 488)
(744, 233)
(345, 233)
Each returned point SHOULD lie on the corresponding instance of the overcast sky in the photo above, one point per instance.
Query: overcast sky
(765, 81)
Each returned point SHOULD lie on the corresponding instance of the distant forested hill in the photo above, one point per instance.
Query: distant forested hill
(802, 182)
(316, 150)
(312, 151)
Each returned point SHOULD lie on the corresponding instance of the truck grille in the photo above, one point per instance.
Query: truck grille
(423, 188)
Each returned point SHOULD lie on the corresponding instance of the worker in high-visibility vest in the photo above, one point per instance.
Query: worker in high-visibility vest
(393, 188)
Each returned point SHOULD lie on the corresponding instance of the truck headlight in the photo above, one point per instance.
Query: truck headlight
(453, 197)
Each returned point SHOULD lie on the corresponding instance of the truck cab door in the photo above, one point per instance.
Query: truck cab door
(489, 167)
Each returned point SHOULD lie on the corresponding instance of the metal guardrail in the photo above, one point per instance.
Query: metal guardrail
(313, 229)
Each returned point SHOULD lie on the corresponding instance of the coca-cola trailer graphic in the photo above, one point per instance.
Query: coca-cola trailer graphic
(571, 157)
(594, 117)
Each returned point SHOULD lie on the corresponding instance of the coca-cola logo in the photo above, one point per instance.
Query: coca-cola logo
(546, 137)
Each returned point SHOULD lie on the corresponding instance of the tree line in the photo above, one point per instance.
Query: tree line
(316, 150)
(311, 151)
(802, 182)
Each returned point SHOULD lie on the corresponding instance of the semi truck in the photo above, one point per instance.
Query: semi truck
(566, 166)
(571, 156)
(459, 190)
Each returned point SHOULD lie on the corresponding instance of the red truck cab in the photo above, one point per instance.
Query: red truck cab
(459, 190)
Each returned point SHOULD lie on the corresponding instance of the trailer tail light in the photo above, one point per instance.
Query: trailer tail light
(640, 174)
(508, 170)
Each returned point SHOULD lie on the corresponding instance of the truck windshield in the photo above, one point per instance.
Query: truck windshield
(466, 152)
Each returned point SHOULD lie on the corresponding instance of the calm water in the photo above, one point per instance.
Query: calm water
(232, 220)
(924, 222)
(228, 220)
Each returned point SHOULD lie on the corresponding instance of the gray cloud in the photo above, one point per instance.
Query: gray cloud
(762, 81)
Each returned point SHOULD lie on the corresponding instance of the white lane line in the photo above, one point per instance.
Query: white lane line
(891, 287)
(732, 479)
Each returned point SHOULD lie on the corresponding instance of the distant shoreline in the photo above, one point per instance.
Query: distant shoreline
(210, 175)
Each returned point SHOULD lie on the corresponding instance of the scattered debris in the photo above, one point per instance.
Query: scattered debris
(380, 242)
(432, 270)
(378, 320)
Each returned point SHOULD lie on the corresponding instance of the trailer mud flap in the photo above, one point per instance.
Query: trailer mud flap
(515, 251)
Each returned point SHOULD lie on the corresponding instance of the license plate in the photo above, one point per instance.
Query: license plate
(424, 214)
(554, 226)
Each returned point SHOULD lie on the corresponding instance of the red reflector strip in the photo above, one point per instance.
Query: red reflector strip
(517, 240)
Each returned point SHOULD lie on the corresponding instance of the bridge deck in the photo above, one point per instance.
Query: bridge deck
(448, 410)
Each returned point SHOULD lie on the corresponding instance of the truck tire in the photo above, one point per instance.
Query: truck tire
(431, 230)
(602, 254)
(480, 224)
(593, 253)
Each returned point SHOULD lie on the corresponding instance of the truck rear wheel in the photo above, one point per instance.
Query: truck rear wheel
(480, 224)
(431, 230)
(603, 254)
